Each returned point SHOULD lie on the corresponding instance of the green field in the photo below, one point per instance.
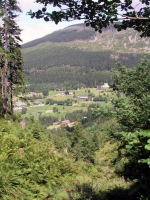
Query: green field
(63, 110)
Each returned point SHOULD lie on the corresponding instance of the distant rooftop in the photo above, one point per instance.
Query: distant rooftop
(19, 103)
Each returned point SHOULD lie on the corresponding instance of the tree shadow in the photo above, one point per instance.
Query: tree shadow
(88, 192)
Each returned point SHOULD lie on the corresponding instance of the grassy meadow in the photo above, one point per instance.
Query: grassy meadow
(62, 110)
(33, 110)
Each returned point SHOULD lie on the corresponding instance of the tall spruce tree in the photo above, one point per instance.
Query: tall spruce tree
(11, 64)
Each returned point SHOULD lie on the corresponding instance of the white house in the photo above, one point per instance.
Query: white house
(105, 86)
(19, 104)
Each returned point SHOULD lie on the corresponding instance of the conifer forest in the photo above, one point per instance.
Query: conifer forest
(75, 104)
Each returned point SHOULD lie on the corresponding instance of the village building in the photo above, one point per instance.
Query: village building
(84, 98)
(105, 86)
(19, 105)
(70, 93)
(37, 103)
(49, 111)
(33, 93)
(102, 86)
(65, 122)
(62, 93)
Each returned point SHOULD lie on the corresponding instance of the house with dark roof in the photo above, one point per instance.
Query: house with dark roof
(37, 103)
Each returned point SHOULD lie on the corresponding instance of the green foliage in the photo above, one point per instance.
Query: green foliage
(55, 109)
(34, 168)
(76, 57)
(141, 142)
(24, 110)
(133, 160)
(45, 92)
(50, 102)
(132, 111)
(29, 168)
(100, 98)
(48, 120)
(60, 103)
(11, 58)
(68, 102)
(76, 116)
(80, 143)
(98, 14)
(72, 77)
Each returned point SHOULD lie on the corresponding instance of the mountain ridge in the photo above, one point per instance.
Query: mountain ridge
(60, 35)
(126, 41)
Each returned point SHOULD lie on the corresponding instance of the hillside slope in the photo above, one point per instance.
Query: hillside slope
(127, 41)
(80, 48)
(68, 34)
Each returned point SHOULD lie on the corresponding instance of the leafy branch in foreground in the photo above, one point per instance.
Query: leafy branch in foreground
(98, 14)
(133, 109)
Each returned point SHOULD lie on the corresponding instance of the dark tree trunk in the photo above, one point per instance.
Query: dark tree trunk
(5, 89)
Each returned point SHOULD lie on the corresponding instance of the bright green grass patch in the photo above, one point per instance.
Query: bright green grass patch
(61, 98)
(52, 93)
(81, 92)
(57, 94)
(101, 104)
(62, 110)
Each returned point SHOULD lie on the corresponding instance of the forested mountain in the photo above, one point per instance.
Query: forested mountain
(110, 39)
(71, 33)
(76, 55)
